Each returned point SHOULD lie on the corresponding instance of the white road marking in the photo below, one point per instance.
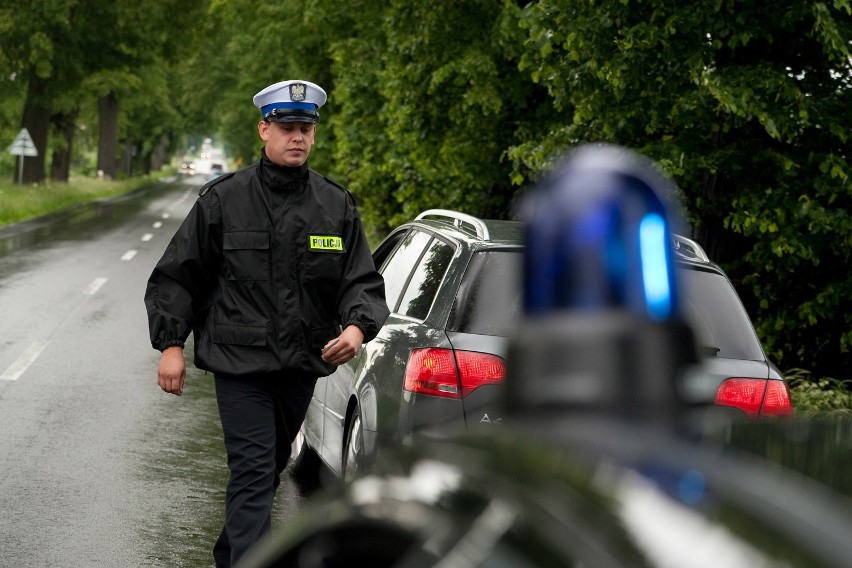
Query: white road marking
(95, 286)
(128, 255)
(158, 224)
(165, 215)
(147, 237)
(27, 358)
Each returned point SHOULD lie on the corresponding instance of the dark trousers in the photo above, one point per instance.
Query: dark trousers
(261, 415)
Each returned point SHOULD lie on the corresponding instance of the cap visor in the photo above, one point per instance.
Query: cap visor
(293, 117)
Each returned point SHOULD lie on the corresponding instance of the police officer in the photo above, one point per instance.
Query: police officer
(272, 273)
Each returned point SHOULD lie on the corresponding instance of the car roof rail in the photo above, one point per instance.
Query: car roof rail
(688, 249)
(458, 220)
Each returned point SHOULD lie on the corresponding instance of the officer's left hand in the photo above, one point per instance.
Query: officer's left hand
(345, 347)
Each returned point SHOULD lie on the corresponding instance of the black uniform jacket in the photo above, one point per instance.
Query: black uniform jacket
(265, 269)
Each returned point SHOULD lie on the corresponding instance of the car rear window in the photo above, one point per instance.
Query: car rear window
(488, 302)
(721, 324)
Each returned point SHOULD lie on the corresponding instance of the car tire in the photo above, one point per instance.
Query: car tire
(353, 451)
(304, 464)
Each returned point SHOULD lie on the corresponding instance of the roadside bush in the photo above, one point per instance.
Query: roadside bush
(819, 397)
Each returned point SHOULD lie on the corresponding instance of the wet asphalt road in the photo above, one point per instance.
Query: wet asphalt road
(98, 467)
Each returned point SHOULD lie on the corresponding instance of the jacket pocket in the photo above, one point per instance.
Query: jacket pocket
(234, 349)
(239, 334)
(246, 255)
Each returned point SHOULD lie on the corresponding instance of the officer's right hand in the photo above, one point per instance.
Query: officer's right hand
(172, 370)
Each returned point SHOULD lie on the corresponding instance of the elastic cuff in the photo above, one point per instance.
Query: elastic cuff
(171, 343)
(364, 329)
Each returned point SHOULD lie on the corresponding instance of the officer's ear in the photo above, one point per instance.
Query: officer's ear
(263, 130)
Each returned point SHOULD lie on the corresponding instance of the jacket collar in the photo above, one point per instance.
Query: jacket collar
(281, 178)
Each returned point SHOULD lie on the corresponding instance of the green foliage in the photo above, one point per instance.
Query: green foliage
(431, 100)
(746, 106)
(821, 397)
(82, 49)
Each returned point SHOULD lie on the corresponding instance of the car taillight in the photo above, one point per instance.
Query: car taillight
(755, 397)
(451, 374)
(777, 400)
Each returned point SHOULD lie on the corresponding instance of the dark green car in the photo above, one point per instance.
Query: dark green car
(454, 287)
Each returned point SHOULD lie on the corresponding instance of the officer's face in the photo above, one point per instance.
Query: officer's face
(287, 143)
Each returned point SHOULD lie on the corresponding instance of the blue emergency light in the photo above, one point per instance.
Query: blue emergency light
(603, 332)
(598, 237)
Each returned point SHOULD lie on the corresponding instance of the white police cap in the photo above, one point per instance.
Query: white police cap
(290, 101)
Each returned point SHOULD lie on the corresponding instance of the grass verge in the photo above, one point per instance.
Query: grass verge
(22, 202)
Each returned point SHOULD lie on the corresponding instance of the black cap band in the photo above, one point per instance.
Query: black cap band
(292, 115)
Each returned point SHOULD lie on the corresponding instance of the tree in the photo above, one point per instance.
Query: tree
(431, 97)
(64, 48)
(132, 39)
(65, 123)
(108, 134)
(29, 31)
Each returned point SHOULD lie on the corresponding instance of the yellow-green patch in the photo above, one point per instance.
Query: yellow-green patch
(325, 243)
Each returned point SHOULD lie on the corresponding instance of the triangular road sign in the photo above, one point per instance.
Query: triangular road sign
(23, 145)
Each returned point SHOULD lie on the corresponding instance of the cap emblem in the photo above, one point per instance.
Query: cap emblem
(297, 92)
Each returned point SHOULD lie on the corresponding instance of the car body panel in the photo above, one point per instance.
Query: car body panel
(313, 423)
(335, 409)
(484, 405)
(373, 381)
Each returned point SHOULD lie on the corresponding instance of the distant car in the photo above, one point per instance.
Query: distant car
(187, 168)
(453, 284)
(216, 170)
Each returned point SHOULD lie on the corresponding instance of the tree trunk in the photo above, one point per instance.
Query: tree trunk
(108, 134)
(158, 156)
(36, 119)
(125, 163)
(61, 162)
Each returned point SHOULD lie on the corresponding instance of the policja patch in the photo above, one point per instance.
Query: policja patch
(325, 243)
